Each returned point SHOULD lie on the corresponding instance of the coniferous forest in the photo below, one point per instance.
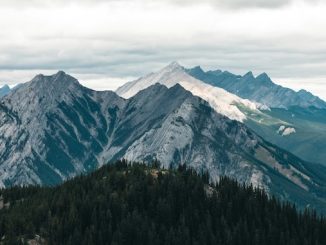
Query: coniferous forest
(139, 204)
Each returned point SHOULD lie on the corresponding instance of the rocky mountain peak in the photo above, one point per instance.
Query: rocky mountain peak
(249, 75)
(197, 69)
(173, 66)
(59, 78)
(264, 77)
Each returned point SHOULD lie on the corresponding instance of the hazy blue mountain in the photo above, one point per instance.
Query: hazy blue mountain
(52, 128)
(4, 90)
(260, 89)
(301, 114)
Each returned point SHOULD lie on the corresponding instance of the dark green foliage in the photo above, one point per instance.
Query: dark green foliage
(138, 204)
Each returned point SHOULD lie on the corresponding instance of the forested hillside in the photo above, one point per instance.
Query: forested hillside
(138, 204)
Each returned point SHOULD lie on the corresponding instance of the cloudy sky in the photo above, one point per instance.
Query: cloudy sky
(106, 43)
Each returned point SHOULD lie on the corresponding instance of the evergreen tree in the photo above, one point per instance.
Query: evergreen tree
(130, 204)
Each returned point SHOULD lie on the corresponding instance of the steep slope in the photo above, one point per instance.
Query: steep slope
(53, 128)
(260, 89)
(4, 90)
(222, 101)
(301, 114)
(194, 134)
(304, 131)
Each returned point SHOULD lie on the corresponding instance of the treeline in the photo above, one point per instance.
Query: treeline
(138, 204)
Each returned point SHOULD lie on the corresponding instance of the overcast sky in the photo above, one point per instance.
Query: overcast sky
(106, 43)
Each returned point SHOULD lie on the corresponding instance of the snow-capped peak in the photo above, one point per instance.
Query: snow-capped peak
(222, 101)
(248, 75)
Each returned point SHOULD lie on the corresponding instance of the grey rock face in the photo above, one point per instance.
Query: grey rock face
(52, 128)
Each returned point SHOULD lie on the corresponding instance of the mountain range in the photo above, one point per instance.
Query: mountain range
(301, 114)
(260, 89)
(52, 128)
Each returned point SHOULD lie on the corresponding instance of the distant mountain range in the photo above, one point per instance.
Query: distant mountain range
(5, 90)
(52, 128)
(260, 89)
(301, 114)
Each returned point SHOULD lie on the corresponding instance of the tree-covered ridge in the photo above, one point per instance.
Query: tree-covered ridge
(139, 204)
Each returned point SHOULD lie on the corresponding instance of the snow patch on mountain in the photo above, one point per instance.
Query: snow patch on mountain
(221, 101)
(285, 131)
(288, 131)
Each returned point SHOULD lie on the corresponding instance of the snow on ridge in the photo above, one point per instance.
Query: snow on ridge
(221, 102)
(219, 99)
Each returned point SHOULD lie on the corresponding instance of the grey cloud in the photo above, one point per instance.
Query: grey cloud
(245, 4)
(237, 56)
(235, 4)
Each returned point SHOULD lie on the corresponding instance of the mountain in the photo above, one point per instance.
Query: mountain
(260, 89)
(298, 136)
(301, 114)
(222, 101)
(139, 204)
(52, 129)
(4, 90)
(303, 134)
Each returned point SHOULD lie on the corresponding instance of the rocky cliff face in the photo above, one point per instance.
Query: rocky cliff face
(52, 128)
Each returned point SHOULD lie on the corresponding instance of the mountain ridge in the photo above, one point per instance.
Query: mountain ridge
(304, 122)
(221, 100)
(260, 89)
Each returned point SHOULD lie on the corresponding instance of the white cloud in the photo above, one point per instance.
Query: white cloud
(114, 41)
